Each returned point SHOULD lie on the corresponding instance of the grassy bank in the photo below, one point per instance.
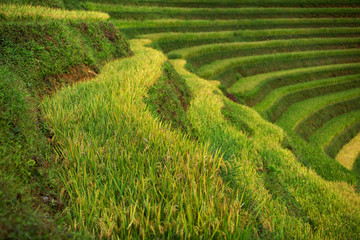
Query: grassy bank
(37, 59)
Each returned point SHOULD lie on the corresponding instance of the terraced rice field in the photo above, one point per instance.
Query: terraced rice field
(272, 56)
(297, 64)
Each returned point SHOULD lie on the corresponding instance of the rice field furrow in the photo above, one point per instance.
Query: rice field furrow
(281, 106)
(300, 111)
(279, 99)
(349, 154)
(332, 128)
(339, 141)
(249, 87)
(143, 12)
(316, 120)
(235, 4)
(252, 47)
(134, 28)
(215, 68)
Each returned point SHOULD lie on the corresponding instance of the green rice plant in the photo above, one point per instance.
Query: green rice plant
(307, 127)
(13, 12)
(348, 156)
(282, 104)
(248, 23)
(271, 99)
(144, 12)
(128, 175)
(262, 167)
(133, 28)
(47, 3)
(187, 36)
(231, 4)
(300, 111)
(249, 86)
(337, 143)
(210, 71)
(249, 34)
(323, 136)
(265, 89)
(236, 46)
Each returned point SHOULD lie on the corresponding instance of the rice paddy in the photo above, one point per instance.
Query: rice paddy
(265, 143)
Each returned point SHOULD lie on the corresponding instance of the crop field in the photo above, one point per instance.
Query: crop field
(203, 119)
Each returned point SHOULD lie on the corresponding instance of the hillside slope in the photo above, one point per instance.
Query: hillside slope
(37, 58)
(228, 122)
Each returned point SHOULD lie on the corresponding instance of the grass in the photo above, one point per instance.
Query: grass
(261, 92)
(163, 24)
(348, 155)
(22, 150)
(230, 4)
(134, 28)
(301, 110)
(210, 71)
(323, 136)
(151, 188)
(262, 167)
(237, 46)
(13, 12)
(171, 41)
(307, 127)
(143, 12)
(337, 143)
(169, 99)
(249, 86)
(249, 34)
(276, 95)
(150, 150)
(45, 50)
(281, 106)
(37, 59)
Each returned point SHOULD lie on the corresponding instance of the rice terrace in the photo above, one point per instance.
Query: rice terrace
(180, 119)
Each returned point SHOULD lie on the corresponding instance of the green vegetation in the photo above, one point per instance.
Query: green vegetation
(134, 28)
(264, 168)
(236, 46)
(161, 144)
(156, 168)
(36, 59)
(230, 4)
(301, 110)
(11, 12)
(337, 143)
(348, 156)
(209, 71)
(250, 86)
(143, 12)
(323, 136)
(316, 120)
(279, 99)
(169, 98)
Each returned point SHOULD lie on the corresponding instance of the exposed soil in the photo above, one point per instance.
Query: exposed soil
(75, 74)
